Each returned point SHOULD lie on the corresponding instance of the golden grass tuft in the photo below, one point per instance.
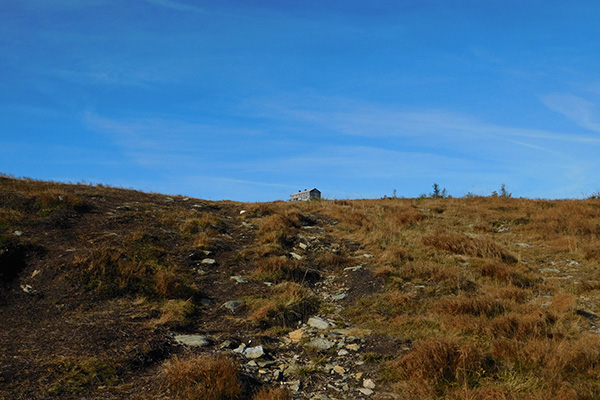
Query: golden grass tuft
(285, 304)
(473, 305)
(433, 361)
(273, 393)
(468, 246)
(202, 378)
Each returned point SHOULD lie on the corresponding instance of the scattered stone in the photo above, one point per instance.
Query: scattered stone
(339, 369)
(368, 255)
(36, 272)
(369, 384)
(294, 385)
(296, 335)
(358, 375)
(353, 269)
(209, 261)
(28, 289)
(318, 323)
(339, 296)
(343, 352)
(320, 344)
(238, 279)
(186, 199)
(254, 352)
(296, 256)
(365, 391)
(242, 212)
(321, 396)
(206, 302)
(353, 347)
(18, 233)
(550, 271)
(207, 252)
(169, 200)
(303, 246)
(526, 245)
(233, 305)
(124, 208)
(192, 340)
(227, 344)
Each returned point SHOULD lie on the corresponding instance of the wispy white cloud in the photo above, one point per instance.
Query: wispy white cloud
(583, 112)
(375, 121)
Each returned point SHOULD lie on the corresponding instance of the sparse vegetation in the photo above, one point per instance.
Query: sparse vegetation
(492, 297)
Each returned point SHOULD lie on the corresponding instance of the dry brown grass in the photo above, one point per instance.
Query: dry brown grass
(272, 393)
(202, 378)
(468, 246)
(285, 304)
(276, 268)
(440, 360)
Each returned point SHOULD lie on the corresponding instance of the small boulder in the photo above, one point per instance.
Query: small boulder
(192, 340)
(318, 323)
(233, 305)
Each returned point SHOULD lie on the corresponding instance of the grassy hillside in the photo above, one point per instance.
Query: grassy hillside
(474, 298)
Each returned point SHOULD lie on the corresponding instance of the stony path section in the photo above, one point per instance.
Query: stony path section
(320, 358)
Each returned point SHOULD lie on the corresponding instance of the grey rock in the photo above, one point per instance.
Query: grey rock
(294, 385)
(296, 256)
(192, 340)
(254, 352)
(206, 302)
(368, 255)
(318, 323)
(366, 391)
(369, 384)
(353, 269)
(233, 305)
(238, 279)
(209, 261)
(550, 271)
(339, 296)
(28, 289)
(320, 344)
(18, 233)
(243, 212)
(303, 246)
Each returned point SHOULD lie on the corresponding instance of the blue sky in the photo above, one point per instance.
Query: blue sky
(253, 100)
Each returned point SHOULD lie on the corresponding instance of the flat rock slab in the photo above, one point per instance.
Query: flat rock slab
(192, 340)
(233, 305)
(318, 323)
(250, 352)
(238, 279)
(296, 336)
(353, 269)
(320, 344)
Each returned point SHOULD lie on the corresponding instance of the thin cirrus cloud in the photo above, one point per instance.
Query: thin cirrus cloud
(582, 112)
